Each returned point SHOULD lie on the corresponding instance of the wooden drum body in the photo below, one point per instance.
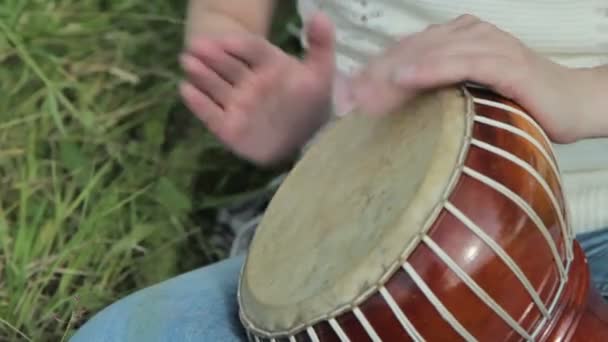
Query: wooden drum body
(445, 221)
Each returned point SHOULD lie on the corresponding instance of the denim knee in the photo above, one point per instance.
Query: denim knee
(595, 245)
(196, 306)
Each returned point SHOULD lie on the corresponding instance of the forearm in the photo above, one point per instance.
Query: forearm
(219, 16)
(595, 117)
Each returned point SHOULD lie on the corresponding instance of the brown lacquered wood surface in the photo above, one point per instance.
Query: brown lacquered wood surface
(580, 315)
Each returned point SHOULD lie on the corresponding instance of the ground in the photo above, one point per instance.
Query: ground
(107, 183)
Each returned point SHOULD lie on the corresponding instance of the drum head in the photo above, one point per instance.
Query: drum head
(351, 210)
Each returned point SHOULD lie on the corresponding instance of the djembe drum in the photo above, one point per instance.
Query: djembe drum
(444, 221)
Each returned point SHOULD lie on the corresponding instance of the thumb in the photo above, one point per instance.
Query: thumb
(321, 45)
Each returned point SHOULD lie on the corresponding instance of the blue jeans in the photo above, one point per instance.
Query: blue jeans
(201, 305)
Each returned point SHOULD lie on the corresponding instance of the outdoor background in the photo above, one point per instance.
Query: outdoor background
(107, 183)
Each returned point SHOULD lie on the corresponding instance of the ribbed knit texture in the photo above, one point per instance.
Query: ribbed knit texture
(588, 197)
(573, 33)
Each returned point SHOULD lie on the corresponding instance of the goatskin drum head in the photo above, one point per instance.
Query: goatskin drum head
(349, 210)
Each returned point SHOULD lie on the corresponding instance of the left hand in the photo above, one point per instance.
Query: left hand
(468, 49)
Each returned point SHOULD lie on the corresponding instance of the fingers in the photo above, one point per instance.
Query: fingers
(202, 106)
(463, 50)
(228, 67)
(321, 41)
(459, 44)
(249, 49)
(435, 73)
(466, 49)
(206, 80)
(463, 22)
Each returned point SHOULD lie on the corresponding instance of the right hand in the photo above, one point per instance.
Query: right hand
(261, 102)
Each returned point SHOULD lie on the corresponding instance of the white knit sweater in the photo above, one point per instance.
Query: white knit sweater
(573, 33)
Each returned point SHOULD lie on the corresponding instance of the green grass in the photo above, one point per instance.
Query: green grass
(107, 183)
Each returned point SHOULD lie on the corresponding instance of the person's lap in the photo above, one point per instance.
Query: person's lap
(201, 305)
(197, 306)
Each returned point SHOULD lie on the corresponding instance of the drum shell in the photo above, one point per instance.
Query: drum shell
(508, 203)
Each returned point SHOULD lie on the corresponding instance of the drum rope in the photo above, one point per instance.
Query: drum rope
(552, 307)
(405, 322)
(521, 133)
(366, 325)
(443, 311)
(501, 253)
(479, 292)
(523, 205)
(311, 333)
(527, 117)
(516, 160)
(517, 112)
(552, 163)
(338, 330)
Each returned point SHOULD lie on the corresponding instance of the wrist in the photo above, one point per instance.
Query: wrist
(594, 104)
(210, 24)
(217, 17)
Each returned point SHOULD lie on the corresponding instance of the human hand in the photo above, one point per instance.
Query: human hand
(468, 49)
(261, 102)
